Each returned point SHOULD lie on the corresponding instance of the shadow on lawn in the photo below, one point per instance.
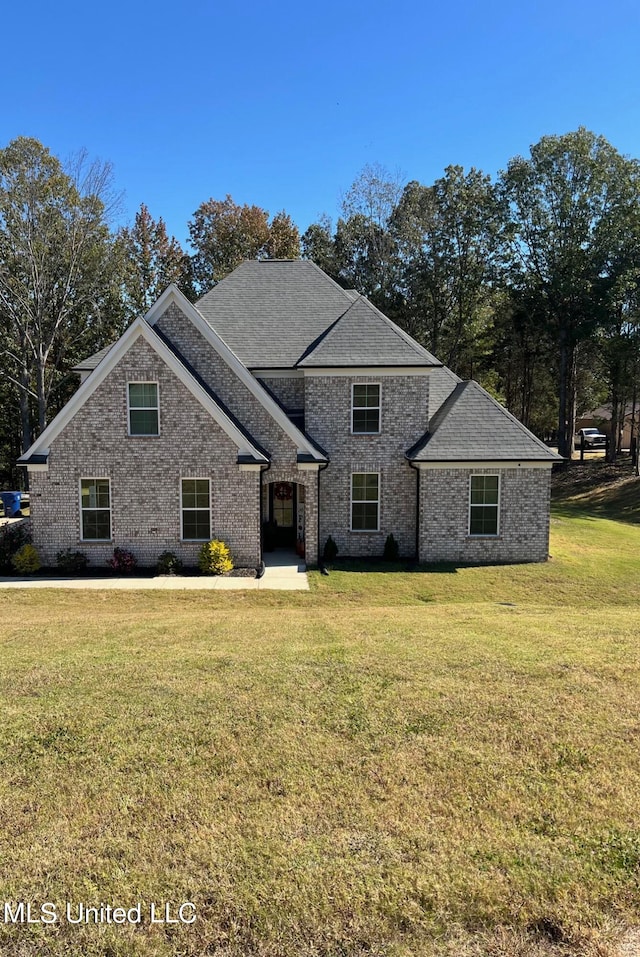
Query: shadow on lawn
(378, 566)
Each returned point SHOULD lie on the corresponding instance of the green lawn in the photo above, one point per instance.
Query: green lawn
(417, 763)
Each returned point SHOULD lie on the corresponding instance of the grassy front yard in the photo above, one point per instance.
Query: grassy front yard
(393, 764)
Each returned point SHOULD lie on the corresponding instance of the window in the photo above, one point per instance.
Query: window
(365, 501)
(143, 408)
(95, 509)
(196, 510)
(484, 499)
(365, 409)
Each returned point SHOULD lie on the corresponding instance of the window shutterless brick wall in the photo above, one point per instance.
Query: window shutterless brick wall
(145, 473)
(403, 420)
(524, 516)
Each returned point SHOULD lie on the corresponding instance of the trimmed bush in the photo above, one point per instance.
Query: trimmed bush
(12, 538)
(330, 552)
(391, 550)
(72, 562)
(215, 558)
(26, 560)
(169, 564)
(123, 562)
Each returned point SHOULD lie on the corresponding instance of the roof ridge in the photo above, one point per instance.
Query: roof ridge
(406, 338)
(318, 341)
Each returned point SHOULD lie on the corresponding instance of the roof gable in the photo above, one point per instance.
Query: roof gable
(364, 336)
(246, 446)
(472, 426)
(172, 294)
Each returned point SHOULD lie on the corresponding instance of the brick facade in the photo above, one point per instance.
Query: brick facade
(524, 516)
(404, 401)
(145, 473)
(225, 383)
(288, 390)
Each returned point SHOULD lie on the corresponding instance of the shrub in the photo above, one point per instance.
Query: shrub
(215, 558)
(12, 538)
(330, 552)
(122, 562)
(391, 550)
(169, 564)
(70, 561)
(26, 560)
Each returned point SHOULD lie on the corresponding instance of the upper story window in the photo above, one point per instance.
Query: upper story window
(144, 417)
(95, 509)
(365, 408)
(484, 504)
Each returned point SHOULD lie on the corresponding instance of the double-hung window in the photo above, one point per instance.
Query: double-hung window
(144, 418)
(365, 501)
(484, 504)
(196, 509)
(95, 509)
(365, 408)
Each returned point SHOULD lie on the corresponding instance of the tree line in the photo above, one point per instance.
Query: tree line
(529, 282)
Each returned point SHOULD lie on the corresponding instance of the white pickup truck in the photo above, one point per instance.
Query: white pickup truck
(594, 438)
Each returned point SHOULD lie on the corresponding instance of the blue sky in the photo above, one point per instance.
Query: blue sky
(283, 104)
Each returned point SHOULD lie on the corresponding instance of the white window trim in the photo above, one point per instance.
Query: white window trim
(497, 506)
(143, 408)
(379, 407)
(94, 478)
(194, 478)
(358, 501)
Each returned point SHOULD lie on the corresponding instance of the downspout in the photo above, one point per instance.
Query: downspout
(260, 512)
(417, 509)
(320, 469)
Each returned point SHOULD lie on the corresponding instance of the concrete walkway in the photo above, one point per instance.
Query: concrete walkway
(283, 572)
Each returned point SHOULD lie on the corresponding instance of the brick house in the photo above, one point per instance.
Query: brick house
(281, 398)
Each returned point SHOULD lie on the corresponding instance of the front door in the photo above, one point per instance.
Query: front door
(283, 509)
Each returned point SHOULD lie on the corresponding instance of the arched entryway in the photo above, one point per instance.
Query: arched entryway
(283, 516)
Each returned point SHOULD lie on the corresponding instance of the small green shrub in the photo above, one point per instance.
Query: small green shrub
(123, 561)
(70, 561)
(330, 551)
(169, 564)
(391, 549)
(215, 558)
(12, 538)
(26, 560)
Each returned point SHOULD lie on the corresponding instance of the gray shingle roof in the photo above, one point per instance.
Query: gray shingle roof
(269, 312)
(89, 364)
(363, 336)
(272, 313)
(471, 426)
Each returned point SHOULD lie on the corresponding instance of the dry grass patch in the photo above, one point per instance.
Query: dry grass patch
(385, 766)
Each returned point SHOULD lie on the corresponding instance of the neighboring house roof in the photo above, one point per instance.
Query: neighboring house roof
(363, 336)
(248, 449)
(272, 312)
(470, 426)
(604, 412)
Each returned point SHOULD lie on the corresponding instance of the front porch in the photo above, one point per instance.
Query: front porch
(289, 512)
